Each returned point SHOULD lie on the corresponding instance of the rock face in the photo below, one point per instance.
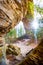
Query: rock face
(35, 57)
(11, 12)
(13, 49)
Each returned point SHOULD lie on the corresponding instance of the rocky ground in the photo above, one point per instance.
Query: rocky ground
(25, 48)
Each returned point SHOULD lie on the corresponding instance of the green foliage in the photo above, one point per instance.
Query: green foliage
(41, 20)
(12, 33)
(30, 13)
(30, 33)
(11, 36)
(40, 10)
(40, 33)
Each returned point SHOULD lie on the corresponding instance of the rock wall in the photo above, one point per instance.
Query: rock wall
(11, 12)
